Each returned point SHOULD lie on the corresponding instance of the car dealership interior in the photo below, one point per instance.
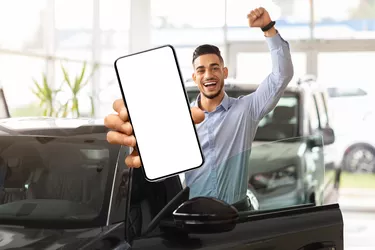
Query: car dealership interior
(57, 61)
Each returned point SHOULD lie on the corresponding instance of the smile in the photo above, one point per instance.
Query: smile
(207, 84)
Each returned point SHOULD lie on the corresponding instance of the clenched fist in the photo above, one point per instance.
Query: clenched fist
(258, 17)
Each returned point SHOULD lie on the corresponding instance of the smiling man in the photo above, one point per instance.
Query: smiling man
(229, 126)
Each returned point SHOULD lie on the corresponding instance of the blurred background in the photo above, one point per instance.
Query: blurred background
(56, 59)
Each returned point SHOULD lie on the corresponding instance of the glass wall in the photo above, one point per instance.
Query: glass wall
(353, 19)
(66, 32)
(292, 17)
(57, 34)
(254, 67)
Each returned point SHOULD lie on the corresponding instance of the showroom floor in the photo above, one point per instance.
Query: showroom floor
(358, 208)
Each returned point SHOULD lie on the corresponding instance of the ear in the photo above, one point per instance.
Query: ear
(194, 77)
(225, 72)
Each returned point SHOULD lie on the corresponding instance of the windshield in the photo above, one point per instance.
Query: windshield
(55, 180)
(281, 123)
(345, 92)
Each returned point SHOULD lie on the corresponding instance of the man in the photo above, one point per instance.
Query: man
(227, 129)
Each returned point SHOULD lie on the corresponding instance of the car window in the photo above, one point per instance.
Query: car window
(323, 117)
(345, 92)
(64, 180)
(281, 123)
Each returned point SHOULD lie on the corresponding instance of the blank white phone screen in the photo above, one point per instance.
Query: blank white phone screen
(159, 112)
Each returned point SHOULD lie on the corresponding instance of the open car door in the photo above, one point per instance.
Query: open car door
(162, 215)
(4, 110)
(305, 227)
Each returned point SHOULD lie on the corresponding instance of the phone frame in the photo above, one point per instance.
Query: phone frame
(187, 103)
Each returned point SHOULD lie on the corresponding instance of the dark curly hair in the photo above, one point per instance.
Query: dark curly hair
(206, 49)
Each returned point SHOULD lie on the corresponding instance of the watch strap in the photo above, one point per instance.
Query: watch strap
(268, 26)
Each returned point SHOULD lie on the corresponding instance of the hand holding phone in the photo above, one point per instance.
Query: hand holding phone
(150, 83)
(121, 132)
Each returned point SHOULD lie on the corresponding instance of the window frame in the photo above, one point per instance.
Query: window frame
(313, 107)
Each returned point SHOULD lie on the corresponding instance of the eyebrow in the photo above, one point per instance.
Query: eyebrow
(211, 65)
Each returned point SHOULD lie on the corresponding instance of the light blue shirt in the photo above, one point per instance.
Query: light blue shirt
(227, 133)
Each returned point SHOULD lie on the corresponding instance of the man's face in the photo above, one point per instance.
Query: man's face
(209, 74)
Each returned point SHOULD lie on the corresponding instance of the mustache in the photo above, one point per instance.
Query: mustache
(209, 79)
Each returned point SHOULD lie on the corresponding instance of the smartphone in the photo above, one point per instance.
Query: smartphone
(153, 91)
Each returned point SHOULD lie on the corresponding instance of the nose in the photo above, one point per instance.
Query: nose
(208, 75)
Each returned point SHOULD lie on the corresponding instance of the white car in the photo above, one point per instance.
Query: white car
(353, 120)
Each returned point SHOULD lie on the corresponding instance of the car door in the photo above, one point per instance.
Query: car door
(301, 227)
(297, 228)
(4, 111)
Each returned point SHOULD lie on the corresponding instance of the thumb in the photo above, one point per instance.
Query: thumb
(197, 114)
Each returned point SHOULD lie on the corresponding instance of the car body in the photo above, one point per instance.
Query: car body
(289, 142)
(354, 125)
(65, 187)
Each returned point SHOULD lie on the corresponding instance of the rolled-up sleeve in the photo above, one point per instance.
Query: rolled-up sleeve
(269, 92)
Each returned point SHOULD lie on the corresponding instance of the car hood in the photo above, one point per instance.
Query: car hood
(271, 156)
(29, 238)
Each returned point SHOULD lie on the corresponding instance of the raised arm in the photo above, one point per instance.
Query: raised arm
(267, 95)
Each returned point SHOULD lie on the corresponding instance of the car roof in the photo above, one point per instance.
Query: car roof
(51, 126)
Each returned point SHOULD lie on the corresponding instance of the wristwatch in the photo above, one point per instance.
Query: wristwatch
(268, 26)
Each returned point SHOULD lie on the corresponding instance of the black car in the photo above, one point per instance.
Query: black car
(64, 187)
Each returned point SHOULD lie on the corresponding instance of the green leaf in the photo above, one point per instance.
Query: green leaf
(66, 76)
(92, 105)
(80, 79)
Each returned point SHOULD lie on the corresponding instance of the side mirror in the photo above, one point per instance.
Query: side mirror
(328, 136)
(205, 215)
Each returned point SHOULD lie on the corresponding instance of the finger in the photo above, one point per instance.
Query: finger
(114, 122)
(120, 108)
(197, 115)
(253, 14)
(257, 12)
(118, 105)
(133, 160)
(114, 137)
(123, 114)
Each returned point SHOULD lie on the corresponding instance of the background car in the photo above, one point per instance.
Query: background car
(294, 143)
(355, 143)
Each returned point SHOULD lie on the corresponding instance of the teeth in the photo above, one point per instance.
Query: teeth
(209, 84)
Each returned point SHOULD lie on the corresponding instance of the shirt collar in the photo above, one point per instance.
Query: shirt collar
(224, 103)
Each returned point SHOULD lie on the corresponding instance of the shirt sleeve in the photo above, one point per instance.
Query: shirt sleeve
(269, 92)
